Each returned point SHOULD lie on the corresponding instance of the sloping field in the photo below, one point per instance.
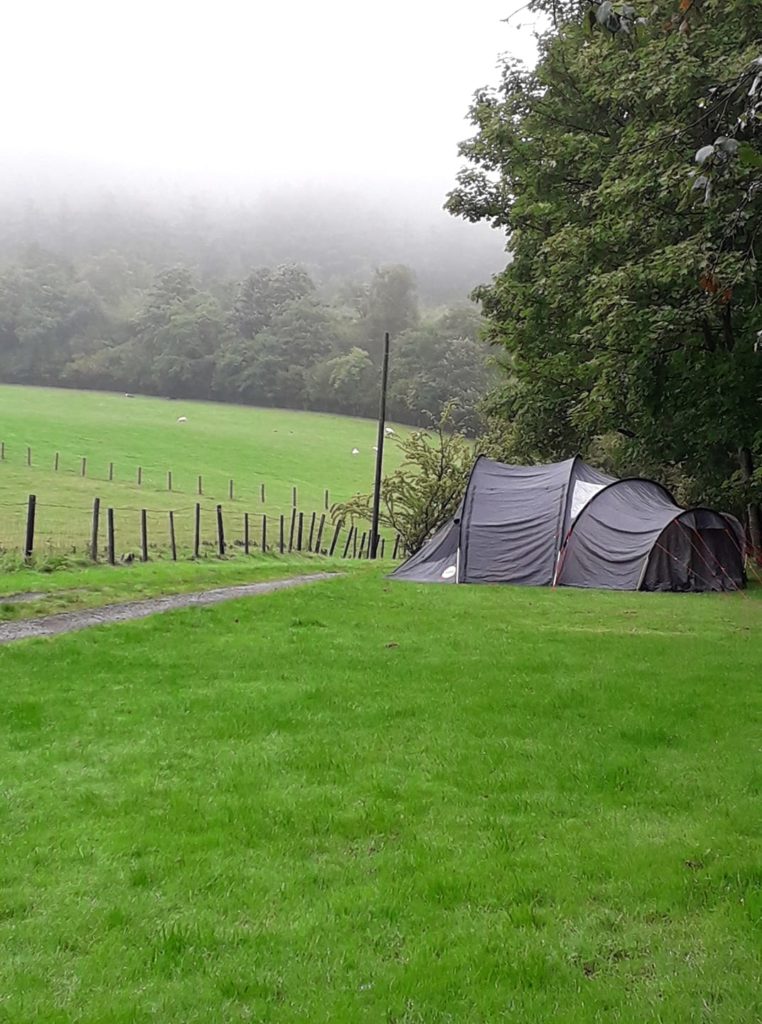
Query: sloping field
(220, 443)
(369, 801)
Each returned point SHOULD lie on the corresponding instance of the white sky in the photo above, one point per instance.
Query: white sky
(234, 94)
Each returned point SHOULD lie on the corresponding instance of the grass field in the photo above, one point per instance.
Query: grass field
(281, 449)
(369, 801)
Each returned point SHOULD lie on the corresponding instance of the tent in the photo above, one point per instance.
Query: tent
(567, 524)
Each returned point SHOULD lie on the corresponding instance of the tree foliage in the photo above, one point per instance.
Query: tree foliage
(630, 309)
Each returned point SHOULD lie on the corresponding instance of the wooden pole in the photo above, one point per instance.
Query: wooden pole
(84, 466)
(169, 479)
(264, 532)
(362, 546)
(262, 493)
(383, 545)
(335, 539)
(312, 531)
(140, 475)
(281, 543)
(396, 546)
(348, 541)
(200, 486)
(373, 545)
(300, 532)
(246, 533)
(111, 538)
(55, 463)
(319, 539)
(325, 499)
(31, 512)
(354, 544)
(94, 529)
(197, 531)
(291, 530)
(110, 471)
(220, 532)
(293, 497)
(172, 541)
(2, 451)
(28, 456)
(144, 534)
(230, 489)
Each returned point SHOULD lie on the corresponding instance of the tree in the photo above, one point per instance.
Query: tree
(265, 293)
(630, 307)
(388, 303)
(425, 491)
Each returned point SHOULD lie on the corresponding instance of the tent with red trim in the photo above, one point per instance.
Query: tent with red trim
(568, 524)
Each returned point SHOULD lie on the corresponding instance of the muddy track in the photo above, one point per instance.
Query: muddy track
(70, 622)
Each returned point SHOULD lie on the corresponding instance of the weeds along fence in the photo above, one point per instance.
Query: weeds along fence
(120, 533)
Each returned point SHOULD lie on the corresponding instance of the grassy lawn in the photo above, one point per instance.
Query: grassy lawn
(281, 449)
(368, 801)
(92, 586)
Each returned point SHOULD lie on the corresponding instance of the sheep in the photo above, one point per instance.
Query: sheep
(182, 419)
(355, 451)
(389, 432)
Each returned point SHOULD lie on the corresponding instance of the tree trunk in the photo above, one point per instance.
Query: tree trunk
(752, 509)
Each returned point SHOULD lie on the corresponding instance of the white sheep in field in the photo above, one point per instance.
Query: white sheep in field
(355, 451)
(182, 419)
(389, 432)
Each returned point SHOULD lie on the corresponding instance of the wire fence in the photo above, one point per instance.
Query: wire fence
(126, 533)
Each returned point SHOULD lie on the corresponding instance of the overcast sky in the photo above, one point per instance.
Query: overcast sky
(234, 94)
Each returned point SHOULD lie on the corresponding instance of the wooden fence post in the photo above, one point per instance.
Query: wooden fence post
(31, 512)
(83, 470)
(383, 545)
(335, 539)
(144, 534)
(293, 497)
(94, 529)
(28, 456)
(110, 471)
(140, 475)
(220, 532)
(396, 546)
(197, 531)
(245, 532)
(300, 532)
(325, 499)
(281, 544)
(262, 493)
(111, 538)
(319, 539)
(312, 531)
(349, 541)
(200, 486)
(169, 479)
(172, 541)
(291, 530)
(230, 489)
(2, 451)
(264, 533)
(55, 462)
(362, 545)
(354, 544)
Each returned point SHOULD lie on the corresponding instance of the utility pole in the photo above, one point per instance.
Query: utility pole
(379, 450)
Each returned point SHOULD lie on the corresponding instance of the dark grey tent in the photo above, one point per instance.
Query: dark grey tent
(571, 525)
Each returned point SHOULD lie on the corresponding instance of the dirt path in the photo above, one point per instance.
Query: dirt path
(69, 622)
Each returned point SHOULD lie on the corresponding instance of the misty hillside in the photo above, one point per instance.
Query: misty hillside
(282, 302)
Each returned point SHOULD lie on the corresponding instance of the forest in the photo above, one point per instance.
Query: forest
(283, 304)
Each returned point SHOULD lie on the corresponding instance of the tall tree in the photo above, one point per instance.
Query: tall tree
(630, 307)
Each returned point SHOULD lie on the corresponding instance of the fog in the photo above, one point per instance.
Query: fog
(235, 97)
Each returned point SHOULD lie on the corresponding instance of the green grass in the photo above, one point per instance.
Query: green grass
(369, 801)
(219, 442)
